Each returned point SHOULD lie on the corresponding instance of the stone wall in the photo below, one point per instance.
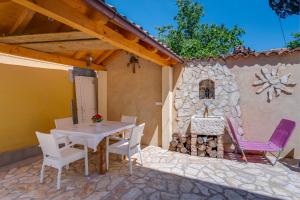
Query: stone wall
(188, 103)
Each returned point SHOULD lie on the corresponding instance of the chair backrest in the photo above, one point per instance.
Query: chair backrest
(48, 144)
(283, 132)
(63, 122)
(136, 135)
(129, 119)
(234, 129)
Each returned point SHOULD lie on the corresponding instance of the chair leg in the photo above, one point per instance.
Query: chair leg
(244, 156)
(86, 165)
(130, 164)
(42, 173)
(58, 179)
(277, 158)
(140, 152)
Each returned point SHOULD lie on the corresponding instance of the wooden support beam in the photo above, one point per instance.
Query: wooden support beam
(29, 53)
(79, 54)
(22, 21)
(45, 37)
(103, 57)
(110, 58)
(63, 12)
(79, 45)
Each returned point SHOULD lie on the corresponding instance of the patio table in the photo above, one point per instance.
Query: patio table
(95, 135)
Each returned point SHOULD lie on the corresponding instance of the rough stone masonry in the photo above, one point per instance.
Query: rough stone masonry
(188, 103)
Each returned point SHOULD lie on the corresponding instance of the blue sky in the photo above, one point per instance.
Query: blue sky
(254, 16)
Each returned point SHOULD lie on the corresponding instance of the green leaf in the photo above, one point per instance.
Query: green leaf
(191, 39)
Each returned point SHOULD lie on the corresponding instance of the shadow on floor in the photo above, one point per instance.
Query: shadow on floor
(250, 157)
(148, 183)
(145, 183)
(292, 164)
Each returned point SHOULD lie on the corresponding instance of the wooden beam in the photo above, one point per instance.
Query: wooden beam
(76, 45)
(45, 37)
(79, 54)
(103, 56)
(29, 53)
(63, 12)
(110, 58)
(22, 21)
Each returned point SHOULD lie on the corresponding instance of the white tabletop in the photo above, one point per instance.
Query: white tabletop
(93, 133)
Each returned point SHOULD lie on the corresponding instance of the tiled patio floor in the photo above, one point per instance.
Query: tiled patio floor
(165, 175)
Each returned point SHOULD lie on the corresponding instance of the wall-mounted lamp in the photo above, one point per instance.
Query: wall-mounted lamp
(89, 60)
(133, 62)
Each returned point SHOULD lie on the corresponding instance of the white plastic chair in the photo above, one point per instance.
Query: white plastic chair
(127, 147)
(128, 119)
(56, 157)
(125, 133)
(63, 122)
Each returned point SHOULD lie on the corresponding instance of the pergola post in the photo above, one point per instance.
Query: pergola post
(102, 93)
(167, 102)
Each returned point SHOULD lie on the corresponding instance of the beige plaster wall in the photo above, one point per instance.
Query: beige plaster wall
(260, 117)
(136, 94)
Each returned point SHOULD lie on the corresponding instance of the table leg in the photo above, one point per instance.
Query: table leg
(101, 153)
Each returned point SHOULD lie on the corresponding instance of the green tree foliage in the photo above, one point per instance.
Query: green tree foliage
(296, 42)
(191, 39)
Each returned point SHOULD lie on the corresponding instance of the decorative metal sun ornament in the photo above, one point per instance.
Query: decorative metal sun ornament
(133, 62)
(272, 81)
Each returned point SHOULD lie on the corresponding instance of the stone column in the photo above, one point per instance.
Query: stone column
(167, 105)
(102, 93)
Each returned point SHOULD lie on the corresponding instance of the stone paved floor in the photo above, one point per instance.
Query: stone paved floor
(165, 175)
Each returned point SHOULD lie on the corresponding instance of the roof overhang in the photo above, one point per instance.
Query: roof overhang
(97, 32)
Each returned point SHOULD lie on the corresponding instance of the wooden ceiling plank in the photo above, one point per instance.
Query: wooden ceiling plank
(22, 21)
(62, 12)
(29, 53)
(45, 37)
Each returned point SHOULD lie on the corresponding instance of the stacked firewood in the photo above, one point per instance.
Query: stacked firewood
(180, 143)
(206, 145)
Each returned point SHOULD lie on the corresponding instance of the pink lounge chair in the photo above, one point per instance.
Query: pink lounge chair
(276, 143)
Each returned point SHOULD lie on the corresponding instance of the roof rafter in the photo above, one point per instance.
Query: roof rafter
(45, 37)
(103, 56)
(111, 57)
(63, 12)
(22, 21)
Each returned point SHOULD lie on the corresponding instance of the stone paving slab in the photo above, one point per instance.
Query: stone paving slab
(165, 175)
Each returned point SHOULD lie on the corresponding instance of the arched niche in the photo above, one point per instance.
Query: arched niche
(207, 89)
